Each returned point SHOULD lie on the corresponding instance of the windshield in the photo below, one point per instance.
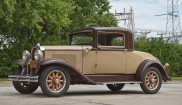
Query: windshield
(82, 39)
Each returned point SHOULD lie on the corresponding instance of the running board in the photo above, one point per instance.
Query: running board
(125, 82)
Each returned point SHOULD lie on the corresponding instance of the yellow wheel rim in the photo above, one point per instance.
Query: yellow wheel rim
(56, 81)
(152, 80)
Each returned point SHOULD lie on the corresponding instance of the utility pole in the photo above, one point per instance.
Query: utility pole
(127, 17)
(173, 20)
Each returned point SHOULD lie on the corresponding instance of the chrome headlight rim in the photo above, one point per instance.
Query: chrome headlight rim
(38, 55)
(166, 65)
(26, 55)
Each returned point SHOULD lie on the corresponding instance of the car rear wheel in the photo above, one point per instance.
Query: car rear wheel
(151, 80)
(54, 81)
(22, 87)
(115, 87)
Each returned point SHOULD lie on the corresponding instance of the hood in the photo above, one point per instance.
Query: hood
(63, 47)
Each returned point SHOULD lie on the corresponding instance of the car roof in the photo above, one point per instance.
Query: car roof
(110, 29)
(129, 35)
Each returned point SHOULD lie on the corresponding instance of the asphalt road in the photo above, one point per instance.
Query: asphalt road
(170, 94)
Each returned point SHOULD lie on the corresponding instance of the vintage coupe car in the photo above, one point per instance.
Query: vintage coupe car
(98, 55)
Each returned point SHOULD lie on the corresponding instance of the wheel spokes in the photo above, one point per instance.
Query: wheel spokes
(55, 80)
(50, 77)
(53, 74)
(57, 88)
(57, 74)
(49, 81)
(151, 80)
(60, 85)
(50, 85)
(53, 87)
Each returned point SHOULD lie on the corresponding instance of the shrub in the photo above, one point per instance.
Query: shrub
(166, 52)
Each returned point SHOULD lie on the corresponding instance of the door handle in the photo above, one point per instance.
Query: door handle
(87, 50)
(125, 50)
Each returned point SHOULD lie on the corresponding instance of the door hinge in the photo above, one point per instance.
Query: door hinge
(95, 65)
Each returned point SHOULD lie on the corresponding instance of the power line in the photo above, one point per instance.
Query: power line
(145, 5)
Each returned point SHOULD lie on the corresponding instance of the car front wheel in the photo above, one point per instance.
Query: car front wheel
(22, 87)
(54, 81)
(151, 80)
(115, 87)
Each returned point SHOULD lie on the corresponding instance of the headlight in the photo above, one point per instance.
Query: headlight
(38, 55)
(26, 55)
(166, 65)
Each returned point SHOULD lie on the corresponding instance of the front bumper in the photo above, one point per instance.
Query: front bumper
(28, 71)
(23, 78)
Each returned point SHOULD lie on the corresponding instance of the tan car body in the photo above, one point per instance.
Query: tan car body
(98, 55)
(96, 64)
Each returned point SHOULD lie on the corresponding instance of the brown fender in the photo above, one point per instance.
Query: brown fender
(147, 63)
(70, 68)
(19, 62)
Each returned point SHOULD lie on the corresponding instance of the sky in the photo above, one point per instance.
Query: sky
(145, 11)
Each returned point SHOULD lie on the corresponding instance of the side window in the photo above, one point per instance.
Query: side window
(111, 40)
(117, 41)
(82, 39)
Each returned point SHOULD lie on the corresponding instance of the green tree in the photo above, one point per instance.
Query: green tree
(33, 20)
(23, 23)
(89, 13)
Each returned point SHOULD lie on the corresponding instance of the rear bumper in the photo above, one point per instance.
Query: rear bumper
(23, 78)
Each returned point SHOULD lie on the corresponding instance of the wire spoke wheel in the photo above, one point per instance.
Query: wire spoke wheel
(55, 81)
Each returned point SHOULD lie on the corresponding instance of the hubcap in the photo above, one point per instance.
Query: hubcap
(152, 80)
(55, 81)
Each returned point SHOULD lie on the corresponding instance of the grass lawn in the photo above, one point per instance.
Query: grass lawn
(176, 78)
(3, 79)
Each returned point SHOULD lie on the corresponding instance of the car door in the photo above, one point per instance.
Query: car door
(89, 60)
(111, 56)
(88, 56)
(111, 62)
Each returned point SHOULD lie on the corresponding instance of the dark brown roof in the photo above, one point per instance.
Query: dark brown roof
(129, 36)
(101, 29)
